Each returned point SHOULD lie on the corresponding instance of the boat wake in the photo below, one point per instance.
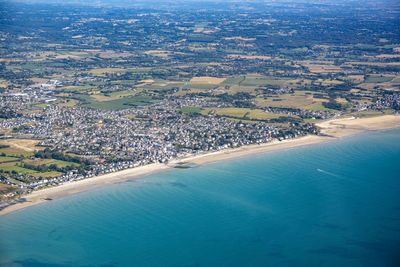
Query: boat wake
(329, 173)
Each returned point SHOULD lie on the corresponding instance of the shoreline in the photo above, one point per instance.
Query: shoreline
(331, 130)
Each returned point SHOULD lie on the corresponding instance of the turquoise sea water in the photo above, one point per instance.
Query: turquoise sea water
(330, 204)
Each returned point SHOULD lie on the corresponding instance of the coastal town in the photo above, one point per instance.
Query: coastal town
(75, 105)
(199, 133)
(113, 140)
(116, 140)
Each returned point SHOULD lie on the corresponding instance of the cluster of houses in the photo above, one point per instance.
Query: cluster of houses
(154, 133)
(387, 101)
(118, 139)
(305, 113)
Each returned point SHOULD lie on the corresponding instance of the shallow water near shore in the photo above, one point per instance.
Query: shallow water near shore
(328, 204)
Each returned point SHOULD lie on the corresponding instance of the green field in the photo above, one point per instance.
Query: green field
(378, 79)
(9, 164)
(18, 169)
(246, 115)
(11, 152)
(242, 113)
(7, 159)
(62, 164)
(59, 163)
(234, 80)
(125, 82)
(188, 110)
(200, 86)
(261, 82)
(116, 104)
(47, 174)
(319, 107)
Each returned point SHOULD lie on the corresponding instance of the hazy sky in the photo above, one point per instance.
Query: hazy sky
(153, 3)
(174, 1)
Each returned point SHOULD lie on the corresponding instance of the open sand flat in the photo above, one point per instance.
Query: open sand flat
(330, 129)
(349, 126)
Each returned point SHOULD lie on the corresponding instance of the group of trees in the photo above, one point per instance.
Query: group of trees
(52, 154)
(332, 104)
(45, 168)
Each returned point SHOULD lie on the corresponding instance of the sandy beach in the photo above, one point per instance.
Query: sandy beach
(331, 129)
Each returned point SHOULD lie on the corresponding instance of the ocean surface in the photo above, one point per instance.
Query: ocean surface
(329, 204)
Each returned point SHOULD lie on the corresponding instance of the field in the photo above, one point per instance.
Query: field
(68, 103)
(250, 57)
(319, 107)
(242, 113)
(102, 71)
(3, 83)
(11, 167)
(258, 80)
(112, 96)
(207, 80)
(189, 110)
(158, 53)
(290, 101)
(27, 145)
(378, 79)
(21, 151)
(5, 159)
(111, 54)
(388, 56)
(47, 174)
(322, 67)
(19, 147)
(245, 114)
(120, 103)
(234, 80)
(59, 163)
(145, 82)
